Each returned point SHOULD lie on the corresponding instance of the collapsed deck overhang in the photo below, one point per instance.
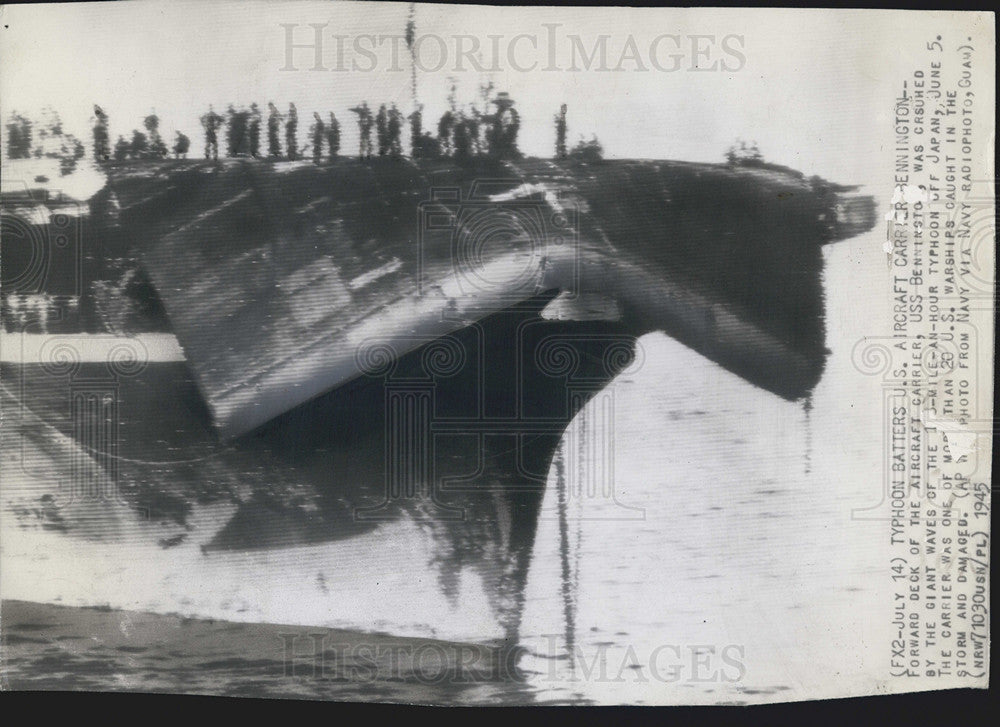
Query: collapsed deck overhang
(285, 280)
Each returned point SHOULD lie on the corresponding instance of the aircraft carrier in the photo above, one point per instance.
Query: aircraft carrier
(369, 364)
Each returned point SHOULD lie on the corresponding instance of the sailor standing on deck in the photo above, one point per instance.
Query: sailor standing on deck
(560, 120)
(365, 127)
(254, 131)
(317, 137)
(462, 143)
(473, 120)
(395, 132)
(445, 125)
(416, 118)
(181, 146)
(232, 130)
(211, 122)
(102, 151)
(273, 131)
(382, 130)
(506, 123)
(333, 135)
(291, 128)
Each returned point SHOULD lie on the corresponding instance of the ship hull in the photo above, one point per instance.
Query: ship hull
(369, 371)
(404, 502)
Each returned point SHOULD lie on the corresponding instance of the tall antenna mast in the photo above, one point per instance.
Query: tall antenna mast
(411, 31)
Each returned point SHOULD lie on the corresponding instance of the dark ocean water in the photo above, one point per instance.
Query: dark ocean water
(48, 647)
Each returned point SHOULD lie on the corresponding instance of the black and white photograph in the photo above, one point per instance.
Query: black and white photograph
(456, 354)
